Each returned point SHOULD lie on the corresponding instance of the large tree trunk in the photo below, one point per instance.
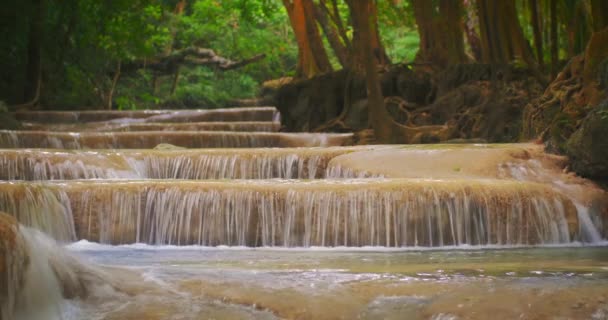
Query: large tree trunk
(363, 21)
(312, 58)
(359, 46)
(599, 13)
(441, 32)
(501, 35)
(386, 130)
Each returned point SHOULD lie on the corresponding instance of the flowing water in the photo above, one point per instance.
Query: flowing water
(299, 227)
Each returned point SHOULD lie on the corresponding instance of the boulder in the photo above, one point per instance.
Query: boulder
(587, 147)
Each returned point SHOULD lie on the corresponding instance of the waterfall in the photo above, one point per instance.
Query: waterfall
(43, 209)
(228, 114)
(401, 212)
(150, 139)
(286, 163)
(126, 126)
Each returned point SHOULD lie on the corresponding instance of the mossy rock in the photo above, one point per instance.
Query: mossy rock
(587, 148)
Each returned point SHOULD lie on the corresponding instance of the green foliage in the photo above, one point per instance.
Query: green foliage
(201, 88)
(398, 30)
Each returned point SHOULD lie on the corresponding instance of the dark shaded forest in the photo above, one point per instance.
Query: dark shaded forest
(394, 71)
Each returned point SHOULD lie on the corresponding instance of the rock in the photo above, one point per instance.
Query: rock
(13, 263)
(587, 148)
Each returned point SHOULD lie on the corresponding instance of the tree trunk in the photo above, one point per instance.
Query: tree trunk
(331, 33)
(441, 32)
(553, 37)
(113, 86)
(363, 23)
(312, 57)
(337, 19)
(537, 31)
(359, 46)
(599, 13)
(470, 27)
(501, 35)
(33, 69)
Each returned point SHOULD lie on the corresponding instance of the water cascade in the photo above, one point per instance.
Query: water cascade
(36, 274)
(231, 114)
(394, 212)
(285, 163)
(125, 126)
(174, 227)
(150, 139)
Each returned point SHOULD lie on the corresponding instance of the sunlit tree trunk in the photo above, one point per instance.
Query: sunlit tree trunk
(502, 39)
(312, 57)
(441, 31)
(470, 26)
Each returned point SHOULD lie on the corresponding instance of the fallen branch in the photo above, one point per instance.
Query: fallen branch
(192, 56)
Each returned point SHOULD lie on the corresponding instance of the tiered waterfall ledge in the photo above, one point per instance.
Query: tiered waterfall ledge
(227, 114)
(150, 139)
(220, 163)
(364, 212)
(125, 126)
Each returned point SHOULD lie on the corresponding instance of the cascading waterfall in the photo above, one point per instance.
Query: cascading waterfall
(150, 139)
(126, 126)
(286, 163)
(37, 275)
(228, 114)
(402, 212)
(42, 209)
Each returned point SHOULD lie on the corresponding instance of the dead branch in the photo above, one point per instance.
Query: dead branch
(192, 56)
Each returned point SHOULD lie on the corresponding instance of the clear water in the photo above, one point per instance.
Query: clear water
(347, 283)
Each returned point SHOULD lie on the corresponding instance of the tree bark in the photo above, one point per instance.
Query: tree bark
(331, 33)
(537, 32)
(337, 19)
(363, 24)
(501, 35)
(553, 37)
(599, 13)
(470, 27)
(312, 57)
(359, 46)
(441, 32)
